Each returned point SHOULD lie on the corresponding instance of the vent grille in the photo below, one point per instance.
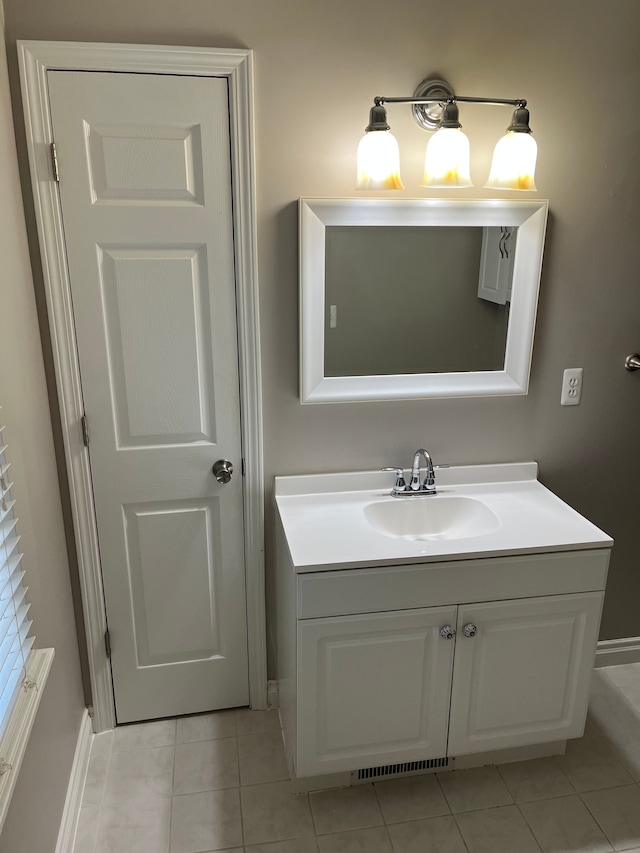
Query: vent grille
(396, 769)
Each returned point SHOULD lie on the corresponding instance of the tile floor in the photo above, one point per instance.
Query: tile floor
(219, 782)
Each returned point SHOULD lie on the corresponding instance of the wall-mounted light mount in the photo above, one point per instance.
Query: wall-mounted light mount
(432, 95)
(434, 107)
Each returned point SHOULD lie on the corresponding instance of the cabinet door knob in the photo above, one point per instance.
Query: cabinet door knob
(447, 632)
(470, 630)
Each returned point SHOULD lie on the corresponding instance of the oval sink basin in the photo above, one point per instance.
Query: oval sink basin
(432, 517)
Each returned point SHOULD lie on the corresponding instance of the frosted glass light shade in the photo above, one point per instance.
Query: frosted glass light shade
(379, 162)
(447, 160)
(514, 163)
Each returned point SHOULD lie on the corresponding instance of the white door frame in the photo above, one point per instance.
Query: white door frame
(36, 58)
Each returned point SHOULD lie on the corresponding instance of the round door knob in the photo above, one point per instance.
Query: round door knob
(470, 630)
(632, 362)
(447, 632)
(222, 470)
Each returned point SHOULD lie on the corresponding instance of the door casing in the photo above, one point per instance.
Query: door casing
(35, 59)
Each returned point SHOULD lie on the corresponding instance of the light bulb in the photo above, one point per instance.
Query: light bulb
(447, 160)
(514, 162)
(379, 162)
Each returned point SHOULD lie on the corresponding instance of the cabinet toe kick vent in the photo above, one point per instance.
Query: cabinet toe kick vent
(399, 769)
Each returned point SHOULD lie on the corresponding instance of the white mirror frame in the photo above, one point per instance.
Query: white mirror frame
(315, 214)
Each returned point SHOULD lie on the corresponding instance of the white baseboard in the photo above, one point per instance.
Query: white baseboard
(73, 801)
(616, 652)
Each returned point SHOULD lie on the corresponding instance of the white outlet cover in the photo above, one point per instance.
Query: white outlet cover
(571, 386)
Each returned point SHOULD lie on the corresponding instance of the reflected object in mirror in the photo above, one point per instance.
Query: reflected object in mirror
(406, 299)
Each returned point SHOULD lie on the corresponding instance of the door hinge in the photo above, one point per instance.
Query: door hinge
(54, 163)
(85, 430)
(107, 643)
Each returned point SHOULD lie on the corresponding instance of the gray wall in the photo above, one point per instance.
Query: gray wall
(318, 66)
(36, 807)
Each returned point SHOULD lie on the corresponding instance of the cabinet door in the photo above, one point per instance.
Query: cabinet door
(523, 678)
(373, 689)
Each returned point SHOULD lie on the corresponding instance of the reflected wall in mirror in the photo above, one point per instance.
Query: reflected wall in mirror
(403, 299)
(431, 290)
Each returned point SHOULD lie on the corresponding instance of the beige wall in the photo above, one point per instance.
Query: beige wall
(36, 807)
(318, 66)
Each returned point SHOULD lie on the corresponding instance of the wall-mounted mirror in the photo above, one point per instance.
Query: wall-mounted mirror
(411, 298)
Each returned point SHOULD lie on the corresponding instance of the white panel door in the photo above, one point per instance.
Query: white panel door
(145, 184)
(373, 689)
(523, 677)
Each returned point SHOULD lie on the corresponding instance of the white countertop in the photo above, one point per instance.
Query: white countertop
(325, 526)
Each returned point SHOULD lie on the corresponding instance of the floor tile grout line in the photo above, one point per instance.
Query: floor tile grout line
(384, 820)
(173, 782)
(375, 794)
(444, 793)
(531, 829)
(537, 799)
(460, 832)
(441, 789)
(598, 824)
(313, 818)
(96, 837)
(240, 791)
(559, 766)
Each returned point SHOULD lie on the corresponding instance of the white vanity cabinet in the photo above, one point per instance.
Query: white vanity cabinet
(448, 660)
(387, 688)
(386, 684)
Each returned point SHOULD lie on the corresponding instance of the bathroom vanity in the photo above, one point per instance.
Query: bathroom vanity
(436, 631)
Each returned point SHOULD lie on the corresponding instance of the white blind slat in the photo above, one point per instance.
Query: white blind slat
(11, 567)
(10, 547)
(6, 507)
(6, 529)
(11, 603)
(14, 661)
(9, 630)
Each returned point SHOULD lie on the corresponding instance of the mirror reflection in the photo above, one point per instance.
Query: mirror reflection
(414, 300)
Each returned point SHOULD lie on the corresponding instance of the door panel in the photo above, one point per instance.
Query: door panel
(496, 698)
(150, 297)
(159, 539)
(372, 689)
(146, 200)
(123, 164)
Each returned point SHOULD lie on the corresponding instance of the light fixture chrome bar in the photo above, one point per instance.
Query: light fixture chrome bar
(379, 100)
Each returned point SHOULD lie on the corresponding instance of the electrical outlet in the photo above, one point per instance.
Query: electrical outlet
(571, 386)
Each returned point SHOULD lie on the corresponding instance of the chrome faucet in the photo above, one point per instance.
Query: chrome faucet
(429, 485)
(415, 487)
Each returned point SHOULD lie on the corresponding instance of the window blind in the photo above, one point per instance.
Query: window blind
(15, 641)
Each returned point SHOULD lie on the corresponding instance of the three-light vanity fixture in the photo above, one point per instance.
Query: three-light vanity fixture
(434, 107)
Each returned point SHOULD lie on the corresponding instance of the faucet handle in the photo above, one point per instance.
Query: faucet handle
(400, 484)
